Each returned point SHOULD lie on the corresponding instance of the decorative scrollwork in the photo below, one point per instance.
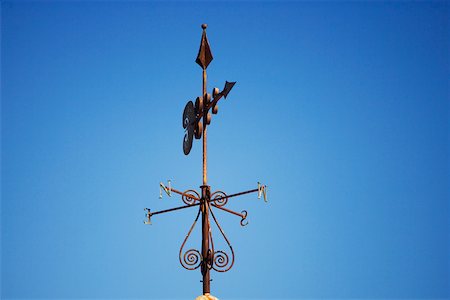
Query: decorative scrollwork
(189, 197)
(221, 198)
(220, 260)
(192, 258)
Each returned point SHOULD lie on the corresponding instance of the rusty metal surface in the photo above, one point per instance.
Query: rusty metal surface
(234, 195)
(205, 159)
(227, 88)
(219, 198)
(196, 119)
(206, 252)
(190, 196)
(204, 56)
(221, 262)
(192, 258)
(173, 209)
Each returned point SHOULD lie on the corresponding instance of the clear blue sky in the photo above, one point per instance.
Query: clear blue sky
(342, 108)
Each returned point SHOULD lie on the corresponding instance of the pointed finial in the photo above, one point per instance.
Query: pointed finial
(204, 56)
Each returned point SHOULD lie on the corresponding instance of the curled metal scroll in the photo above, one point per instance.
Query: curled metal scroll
(220, 259)
(192, 258)
(188, 197)
(219, 202)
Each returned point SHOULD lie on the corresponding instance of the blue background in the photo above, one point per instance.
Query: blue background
(341, 108)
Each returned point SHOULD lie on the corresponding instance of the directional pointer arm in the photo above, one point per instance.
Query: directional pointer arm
(234, 195)
(224, 93)
(149, 214)
(261, 191)
(243, 215)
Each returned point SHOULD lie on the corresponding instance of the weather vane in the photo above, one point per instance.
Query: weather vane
(196, 118)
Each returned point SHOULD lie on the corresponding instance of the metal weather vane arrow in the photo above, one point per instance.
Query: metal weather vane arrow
(196, 118)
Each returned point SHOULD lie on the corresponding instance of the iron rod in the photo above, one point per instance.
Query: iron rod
(172, 209)
(228, 210)
(205, 167)
(234, 195)
(205, 239)
(182, 193)
(215, 100)
(205, 193)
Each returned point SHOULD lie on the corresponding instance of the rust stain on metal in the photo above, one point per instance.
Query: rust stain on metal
(204, 56)
(196, 119)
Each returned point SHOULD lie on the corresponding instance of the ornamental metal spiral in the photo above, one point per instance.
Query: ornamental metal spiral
(192, 258)
(189, 198)
(221, 261)
(219, 198)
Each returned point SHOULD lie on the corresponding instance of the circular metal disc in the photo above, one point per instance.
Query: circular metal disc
(188, 114)
(188, 125)
(187, 141)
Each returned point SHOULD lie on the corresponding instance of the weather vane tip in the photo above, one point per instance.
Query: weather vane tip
(204, 56)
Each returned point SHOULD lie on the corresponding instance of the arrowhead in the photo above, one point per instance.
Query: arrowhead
(227, 88)
(204, 56)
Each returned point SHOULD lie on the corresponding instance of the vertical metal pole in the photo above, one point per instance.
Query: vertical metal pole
(206, 253)
(205, 199)
(205, 172)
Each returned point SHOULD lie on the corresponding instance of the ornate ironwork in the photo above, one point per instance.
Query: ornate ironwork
(189, 198)
(221, 262)
(192, 258)
(196, 118)
(219, 198)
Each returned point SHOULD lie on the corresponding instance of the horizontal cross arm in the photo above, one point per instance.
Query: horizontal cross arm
(173, 209)
(234, 195)
(149, 214)
(243, 215)
(185, 193)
